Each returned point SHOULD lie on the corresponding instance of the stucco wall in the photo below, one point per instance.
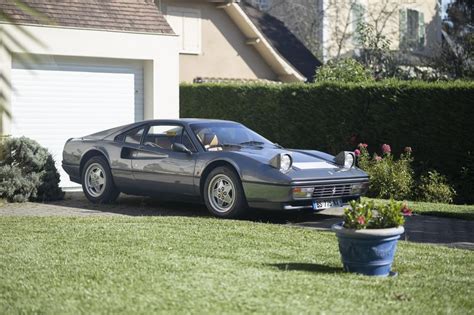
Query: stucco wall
(159, 54)
(337, 37)
(224, 50)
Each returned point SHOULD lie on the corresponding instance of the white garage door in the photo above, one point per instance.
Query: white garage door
(62, 98)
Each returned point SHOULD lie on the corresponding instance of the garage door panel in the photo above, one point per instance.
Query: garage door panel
(55, 101)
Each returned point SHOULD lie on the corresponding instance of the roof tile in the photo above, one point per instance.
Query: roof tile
(118, 15)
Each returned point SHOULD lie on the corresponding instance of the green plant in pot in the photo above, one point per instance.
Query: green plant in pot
(368, 236)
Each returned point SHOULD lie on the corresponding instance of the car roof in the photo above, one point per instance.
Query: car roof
(185, 121)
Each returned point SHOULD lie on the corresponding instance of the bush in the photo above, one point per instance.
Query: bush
(389, 178)
(27, 172)
(16, 186)
(343, 70)
(433, 187)
(435, 118)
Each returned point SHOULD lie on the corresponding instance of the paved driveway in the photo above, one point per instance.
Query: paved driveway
(422, 229)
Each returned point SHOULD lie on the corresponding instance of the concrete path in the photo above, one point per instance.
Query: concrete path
(423, 229)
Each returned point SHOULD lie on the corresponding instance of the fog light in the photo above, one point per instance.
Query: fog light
(302, 192)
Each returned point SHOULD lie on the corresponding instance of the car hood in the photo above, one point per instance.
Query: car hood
(308, 165)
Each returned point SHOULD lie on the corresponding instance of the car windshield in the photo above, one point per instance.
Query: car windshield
(218, 135)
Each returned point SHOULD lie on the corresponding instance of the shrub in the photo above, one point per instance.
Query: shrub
(343, 70)
(435, 118)
(27, 171)
(433, 187)
(15, 186)
(389, 178)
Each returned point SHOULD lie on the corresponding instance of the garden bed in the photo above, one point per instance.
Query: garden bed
(465, 212)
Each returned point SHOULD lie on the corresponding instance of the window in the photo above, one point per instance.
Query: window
(186, 23)
(133, 136)
(164, 136)
(357, 17)
(412, 29)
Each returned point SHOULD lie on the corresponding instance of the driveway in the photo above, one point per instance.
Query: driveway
(419, 228)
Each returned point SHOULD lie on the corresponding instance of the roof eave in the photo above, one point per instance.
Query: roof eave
(284, 70)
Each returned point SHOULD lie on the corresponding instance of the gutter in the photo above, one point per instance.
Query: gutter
(285, 71)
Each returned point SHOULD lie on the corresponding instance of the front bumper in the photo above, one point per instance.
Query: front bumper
(280, 197)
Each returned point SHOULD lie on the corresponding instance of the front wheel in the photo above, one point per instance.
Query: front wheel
(223, 194)
(97, 181)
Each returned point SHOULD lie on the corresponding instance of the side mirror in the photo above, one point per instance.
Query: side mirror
(179, 147)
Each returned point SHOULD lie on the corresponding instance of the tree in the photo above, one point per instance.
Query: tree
(457, 55)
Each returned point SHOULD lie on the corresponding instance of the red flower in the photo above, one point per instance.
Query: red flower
(407, 212)
(363, 145)
(361, 220)
(357, 152)
(408, 149)
(378, 158)
(386, 149)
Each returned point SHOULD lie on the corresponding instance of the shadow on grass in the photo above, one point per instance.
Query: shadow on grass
(316, 268)
(146, 206)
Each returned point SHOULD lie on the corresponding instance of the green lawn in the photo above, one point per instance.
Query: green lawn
(465, 212)
(205, 265)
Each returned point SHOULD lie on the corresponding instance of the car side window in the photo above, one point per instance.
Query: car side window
(163, 136)
(133, 136)
(188, 143)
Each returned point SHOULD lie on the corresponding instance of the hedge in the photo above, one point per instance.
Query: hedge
(435, 119)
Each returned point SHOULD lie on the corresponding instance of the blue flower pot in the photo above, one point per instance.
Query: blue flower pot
(369, 252)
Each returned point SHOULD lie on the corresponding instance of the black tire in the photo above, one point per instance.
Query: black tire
(229, 210)
(105, 193)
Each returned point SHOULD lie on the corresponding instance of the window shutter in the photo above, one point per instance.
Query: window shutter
(357, 18)
(421, 29)
(191, 31)
(403, 28)
(186, 23)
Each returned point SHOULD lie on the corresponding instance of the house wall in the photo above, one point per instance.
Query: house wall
(326, 26)
(224, 52)
(159, 54)
(385, 16)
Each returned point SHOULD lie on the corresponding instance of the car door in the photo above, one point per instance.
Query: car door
(122, 151)
(158, 168)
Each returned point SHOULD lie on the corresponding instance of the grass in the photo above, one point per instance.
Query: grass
(204, 265)
(465, 212)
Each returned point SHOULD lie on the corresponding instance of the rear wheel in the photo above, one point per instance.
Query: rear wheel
(97, 181)
(223, 193)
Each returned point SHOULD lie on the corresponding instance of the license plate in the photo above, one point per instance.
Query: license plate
(320, 205)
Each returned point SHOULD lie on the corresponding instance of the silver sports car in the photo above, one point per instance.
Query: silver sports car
(222, 163)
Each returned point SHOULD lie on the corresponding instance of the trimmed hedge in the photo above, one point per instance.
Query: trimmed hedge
(435, 119)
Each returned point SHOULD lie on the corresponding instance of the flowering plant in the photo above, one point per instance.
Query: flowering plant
(389, 177)
(366, 215)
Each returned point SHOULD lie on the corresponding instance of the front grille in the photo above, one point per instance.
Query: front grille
(330, 191)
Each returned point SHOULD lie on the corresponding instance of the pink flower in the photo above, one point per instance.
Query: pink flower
(357, 152)
(408, 149)
(378, 158)
(361, 220)
(386, 149)
(362, 145)
(407, 212)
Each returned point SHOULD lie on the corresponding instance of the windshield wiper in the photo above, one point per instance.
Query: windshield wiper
(252, 143)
